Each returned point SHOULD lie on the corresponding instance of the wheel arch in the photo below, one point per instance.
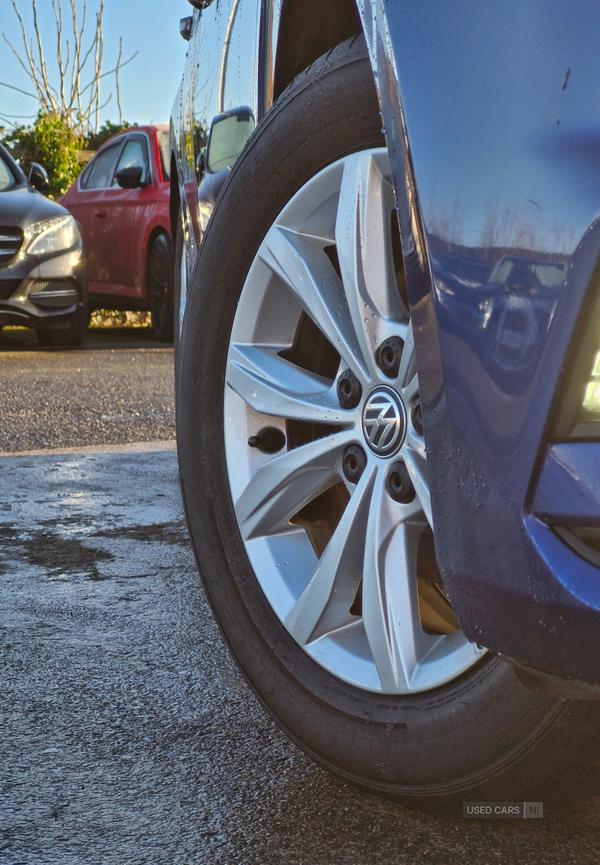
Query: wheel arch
(307, 30)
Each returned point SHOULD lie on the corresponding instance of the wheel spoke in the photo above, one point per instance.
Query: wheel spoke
(327, 599)
(299, 260)
(416, 443)
(389, 596)
(417, 468)
(411, 391)
(272, 385)
(282, 486)
(363, 241)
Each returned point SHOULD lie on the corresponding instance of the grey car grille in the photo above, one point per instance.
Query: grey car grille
(53, 295)
(11, 239)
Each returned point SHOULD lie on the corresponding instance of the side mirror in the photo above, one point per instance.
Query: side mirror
(38, 177)
(185, 28)
(228, 134)
(199, 4)
(130, 177)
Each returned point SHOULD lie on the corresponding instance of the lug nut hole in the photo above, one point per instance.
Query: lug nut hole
(349, 390)
(399, 484)
(353, 463)
(389, 355)
(417, 417)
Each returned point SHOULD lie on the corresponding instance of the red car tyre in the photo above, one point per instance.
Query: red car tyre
(159, 288)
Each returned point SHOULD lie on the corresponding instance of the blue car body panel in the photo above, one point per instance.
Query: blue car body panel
(492, 114)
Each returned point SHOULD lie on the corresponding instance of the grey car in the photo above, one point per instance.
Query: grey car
(43, 278)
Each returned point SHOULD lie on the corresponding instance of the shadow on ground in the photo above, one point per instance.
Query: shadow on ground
(97, 338)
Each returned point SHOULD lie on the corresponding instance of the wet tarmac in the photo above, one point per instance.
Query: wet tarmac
(117, 388)
(128, 734)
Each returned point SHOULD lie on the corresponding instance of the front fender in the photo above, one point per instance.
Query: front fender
(492, 117)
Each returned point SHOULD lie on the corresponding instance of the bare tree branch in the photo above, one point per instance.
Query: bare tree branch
(9, 121)
(104, 104)
(68, 94)
(42, 66)
(18, 89)
(111, 71)
(61, 68)
(117, 81)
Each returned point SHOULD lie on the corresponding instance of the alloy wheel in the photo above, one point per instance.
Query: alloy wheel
(324, 441)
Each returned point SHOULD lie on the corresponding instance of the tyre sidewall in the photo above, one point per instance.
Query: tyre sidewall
(162, 314)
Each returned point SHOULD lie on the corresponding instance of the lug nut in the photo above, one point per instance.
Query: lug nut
(389, 355)
(399, 484)
(349, 390)
(417, 417)
(354, 463)
(269, 440)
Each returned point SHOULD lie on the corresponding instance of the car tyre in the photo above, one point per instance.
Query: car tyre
(478, 735)
(159, 288)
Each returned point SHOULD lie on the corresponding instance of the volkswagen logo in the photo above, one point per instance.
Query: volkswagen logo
(384, 422)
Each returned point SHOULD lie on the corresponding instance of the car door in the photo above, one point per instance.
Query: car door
(124, 221)
(86, 203)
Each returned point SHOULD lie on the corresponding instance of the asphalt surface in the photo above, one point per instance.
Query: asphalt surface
(118, 389)
(129, 736)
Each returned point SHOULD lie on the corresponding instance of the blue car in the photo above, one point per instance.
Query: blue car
(388, 380)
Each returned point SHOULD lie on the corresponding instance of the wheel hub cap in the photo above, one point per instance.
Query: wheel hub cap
(384, 422)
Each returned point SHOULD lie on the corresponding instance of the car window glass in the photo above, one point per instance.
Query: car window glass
(134, 156)
(227, 139)
(549, 275)
(6, 175)
(502, 271)
(163, 145)
(99, 173)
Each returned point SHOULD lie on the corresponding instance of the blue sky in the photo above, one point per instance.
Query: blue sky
(148, 83)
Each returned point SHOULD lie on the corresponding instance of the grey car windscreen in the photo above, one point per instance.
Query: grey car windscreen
(6, 176)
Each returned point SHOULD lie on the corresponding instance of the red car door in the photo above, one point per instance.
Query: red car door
(85, 200)
(124, 220)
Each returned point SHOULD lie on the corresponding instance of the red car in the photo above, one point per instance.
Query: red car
(121, 200)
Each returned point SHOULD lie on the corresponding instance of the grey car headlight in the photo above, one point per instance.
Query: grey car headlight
(50, 235)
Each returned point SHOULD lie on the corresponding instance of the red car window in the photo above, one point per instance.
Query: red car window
(100, 171)
(134, 155)
(163, 144)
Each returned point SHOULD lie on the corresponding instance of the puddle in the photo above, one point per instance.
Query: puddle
(165, 533)
(57, 555)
